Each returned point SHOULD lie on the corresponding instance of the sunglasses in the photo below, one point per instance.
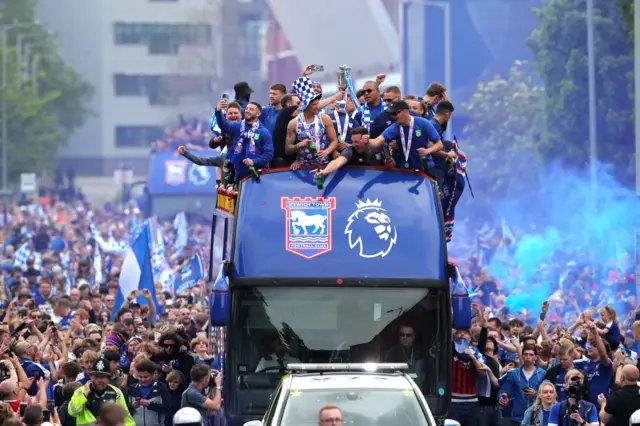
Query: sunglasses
(387, 100)
(367, 91)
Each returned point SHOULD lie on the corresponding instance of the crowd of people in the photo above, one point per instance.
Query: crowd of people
(550, 343)
(72, 353)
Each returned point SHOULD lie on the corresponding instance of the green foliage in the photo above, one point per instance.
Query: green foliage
(560, 50)
(626, 10)
(41, 114)
(506, 119)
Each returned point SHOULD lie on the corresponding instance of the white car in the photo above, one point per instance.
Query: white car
(367, 394)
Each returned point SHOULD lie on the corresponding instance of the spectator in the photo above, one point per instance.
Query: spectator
(617, 408)
(522, 383)
(195, 397)
(149, 399)
(112, 414)
(538, 412)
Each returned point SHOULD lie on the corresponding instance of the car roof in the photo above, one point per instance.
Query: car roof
(348, 380)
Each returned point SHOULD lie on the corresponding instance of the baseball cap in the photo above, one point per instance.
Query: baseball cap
(398, 106)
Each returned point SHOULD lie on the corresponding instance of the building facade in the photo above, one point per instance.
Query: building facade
(149, 61)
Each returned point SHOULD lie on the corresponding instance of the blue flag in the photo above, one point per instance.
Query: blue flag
(136, 271)
(189, 276)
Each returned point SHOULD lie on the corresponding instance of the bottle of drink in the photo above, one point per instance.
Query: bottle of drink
(423, 160)
(386, 155)
(319, 182)
(254, 172)
(312, 148)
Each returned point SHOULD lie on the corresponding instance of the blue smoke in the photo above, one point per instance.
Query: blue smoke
(560, 224)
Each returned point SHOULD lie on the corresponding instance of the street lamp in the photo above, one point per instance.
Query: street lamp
(20, 54)
(593, 147)
(446, 8)
(5, 31)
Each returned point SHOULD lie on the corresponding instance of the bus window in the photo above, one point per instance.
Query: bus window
(275, 326)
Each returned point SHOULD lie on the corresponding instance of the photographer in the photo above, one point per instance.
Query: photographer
(202, 377)
(574, 411)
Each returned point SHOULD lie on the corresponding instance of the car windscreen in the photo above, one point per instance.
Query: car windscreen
(360, 407)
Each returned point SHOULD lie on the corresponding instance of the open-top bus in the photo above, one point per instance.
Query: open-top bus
(340, 274)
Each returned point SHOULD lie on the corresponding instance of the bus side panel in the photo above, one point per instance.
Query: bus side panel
(365, 223)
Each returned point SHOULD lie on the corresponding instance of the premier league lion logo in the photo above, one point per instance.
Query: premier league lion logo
(370, 229)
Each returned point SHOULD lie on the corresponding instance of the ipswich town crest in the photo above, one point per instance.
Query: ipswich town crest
(175, 172)
(308, 225)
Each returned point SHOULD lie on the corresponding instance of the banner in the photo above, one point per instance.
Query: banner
(189, 276)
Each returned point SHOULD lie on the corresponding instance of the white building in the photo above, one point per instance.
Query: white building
(148, 60)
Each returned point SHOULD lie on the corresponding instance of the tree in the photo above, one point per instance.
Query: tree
(560, 51)
(42, 113)
(626, 10)
(506, 119)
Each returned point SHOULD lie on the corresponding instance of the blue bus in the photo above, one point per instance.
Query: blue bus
(355, 272)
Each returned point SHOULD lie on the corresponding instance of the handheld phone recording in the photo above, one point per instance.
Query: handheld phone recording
(317, 68)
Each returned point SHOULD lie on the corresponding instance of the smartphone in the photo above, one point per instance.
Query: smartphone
(317, 68)
(225, 97)
(46, 416)
(51, 405)
(342, 105)
(23, 406)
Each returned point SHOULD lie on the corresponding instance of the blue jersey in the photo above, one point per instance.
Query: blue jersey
(423, 133)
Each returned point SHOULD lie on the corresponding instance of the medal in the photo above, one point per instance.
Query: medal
(406, 142)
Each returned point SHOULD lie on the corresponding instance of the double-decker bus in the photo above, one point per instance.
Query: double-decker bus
(355, 272)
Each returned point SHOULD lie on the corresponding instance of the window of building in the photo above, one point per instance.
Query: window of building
(162, 39)
(162, 89)
(137, 136)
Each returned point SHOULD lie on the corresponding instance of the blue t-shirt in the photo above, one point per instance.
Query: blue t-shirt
(613, 336)
(373, 111)
(423, 133)
(146, 390)
(545, 417)
(599, 379)
(587, 411)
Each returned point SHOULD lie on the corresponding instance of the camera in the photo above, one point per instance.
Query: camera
(212, 379)
(576, 388)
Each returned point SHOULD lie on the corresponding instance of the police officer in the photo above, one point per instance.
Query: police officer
(86, 401)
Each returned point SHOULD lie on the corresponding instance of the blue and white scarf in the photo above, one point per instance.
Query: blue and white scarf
(244, 135)
(366, 114)
(452, 187)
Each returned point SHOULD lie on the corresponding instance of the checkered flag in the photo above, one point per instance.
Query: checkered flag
(22, 254)
(303, 86)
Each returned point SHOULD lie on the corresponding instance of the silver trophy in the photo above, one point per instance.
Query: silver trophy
(342, 77)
